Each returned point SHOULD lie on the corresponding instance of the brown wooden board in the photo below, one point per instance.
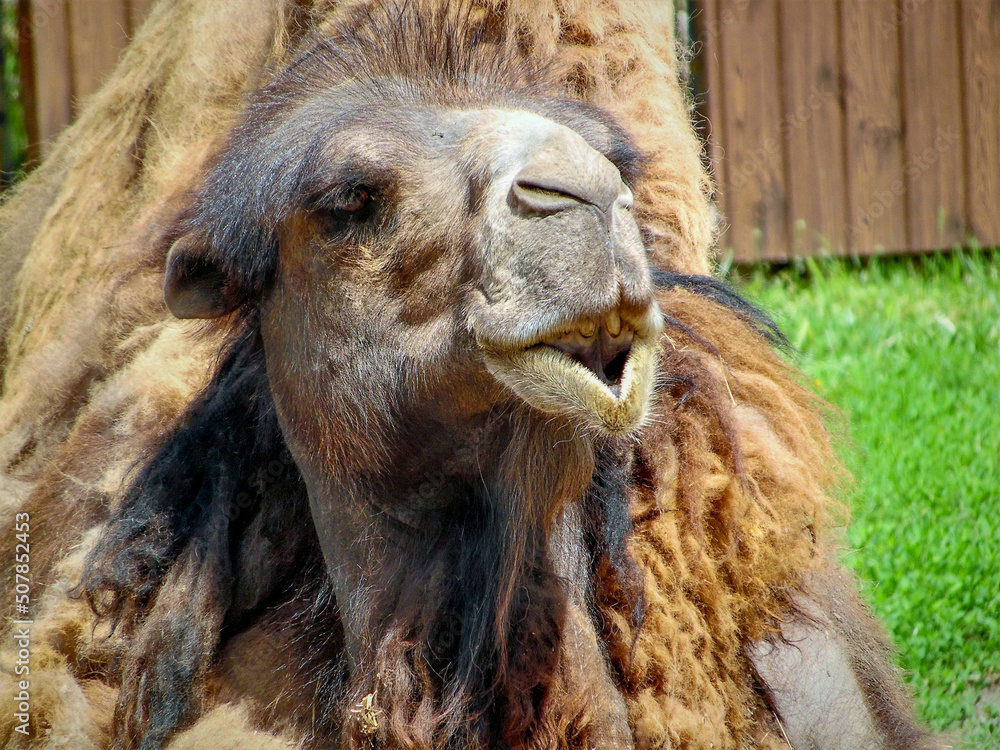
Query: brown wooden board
(981, 62)
(45, 72)
(98, 33)
(754, 203)
(932, 97)
(876, 187)
(710, 27)
(812, 126)
(26, 68)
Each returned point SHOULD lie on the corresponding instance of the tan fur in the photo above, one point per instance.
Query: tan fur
(228, 728)
(734, 514)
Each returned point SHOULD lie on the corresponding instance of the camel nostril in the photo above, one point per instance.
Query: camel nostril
(565, 172)
(540, 199)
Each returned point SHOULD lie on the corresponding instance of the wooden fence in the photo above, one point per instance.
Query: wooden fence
(67, 48)
(834, 126)
(853, 125)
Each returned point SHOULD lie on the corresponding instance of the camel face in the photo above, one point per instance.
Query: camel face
(423, 242)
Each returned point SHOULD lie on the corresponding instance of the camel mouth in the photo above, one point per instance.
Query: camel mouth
(601, 346)
(597, 371)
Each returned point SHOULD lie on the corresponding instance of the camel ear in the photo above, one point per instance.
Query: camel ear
(197, 284)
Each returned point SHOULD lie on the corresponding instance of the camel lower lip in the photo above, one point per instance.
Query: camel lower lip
(613, 386)
(554, 383)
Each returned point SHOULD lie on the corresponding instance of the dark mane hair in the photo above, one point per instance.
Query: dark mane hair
(219, 510)
(725, 296)
(455, 47)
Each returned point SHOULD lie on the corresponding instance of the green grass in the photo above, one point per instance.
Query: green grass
(909, 351)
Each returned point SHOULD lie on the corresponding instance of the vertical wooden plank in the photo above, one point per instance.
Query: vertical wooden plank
(711, 52)
(813, 126)
(99, 32)
(981, 53)
(48, 88)
(932, 98)
(876, 185)
(755, 201)
(26, 70)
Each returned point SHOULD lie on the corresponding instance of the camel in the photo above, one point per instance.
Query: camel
(364, 385)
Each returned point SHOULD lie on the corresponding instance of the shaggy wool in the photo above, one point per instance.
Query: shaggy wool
(730, 517)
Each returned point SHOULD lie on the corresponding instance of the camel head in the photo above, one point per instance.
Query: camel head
(412, 250)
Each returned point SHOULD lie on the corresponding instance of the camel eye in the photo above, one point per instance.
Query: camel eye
(353, 203)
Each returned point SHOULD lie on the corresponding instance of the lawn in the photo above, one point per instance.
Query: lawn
(909, 351)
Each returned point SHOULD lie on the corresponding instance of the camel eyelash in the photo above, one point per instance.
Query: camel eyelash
(354, 203)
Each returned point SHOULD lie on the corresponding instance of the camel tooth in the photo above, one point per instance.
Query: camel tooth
(613, 323)
(588, 328)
